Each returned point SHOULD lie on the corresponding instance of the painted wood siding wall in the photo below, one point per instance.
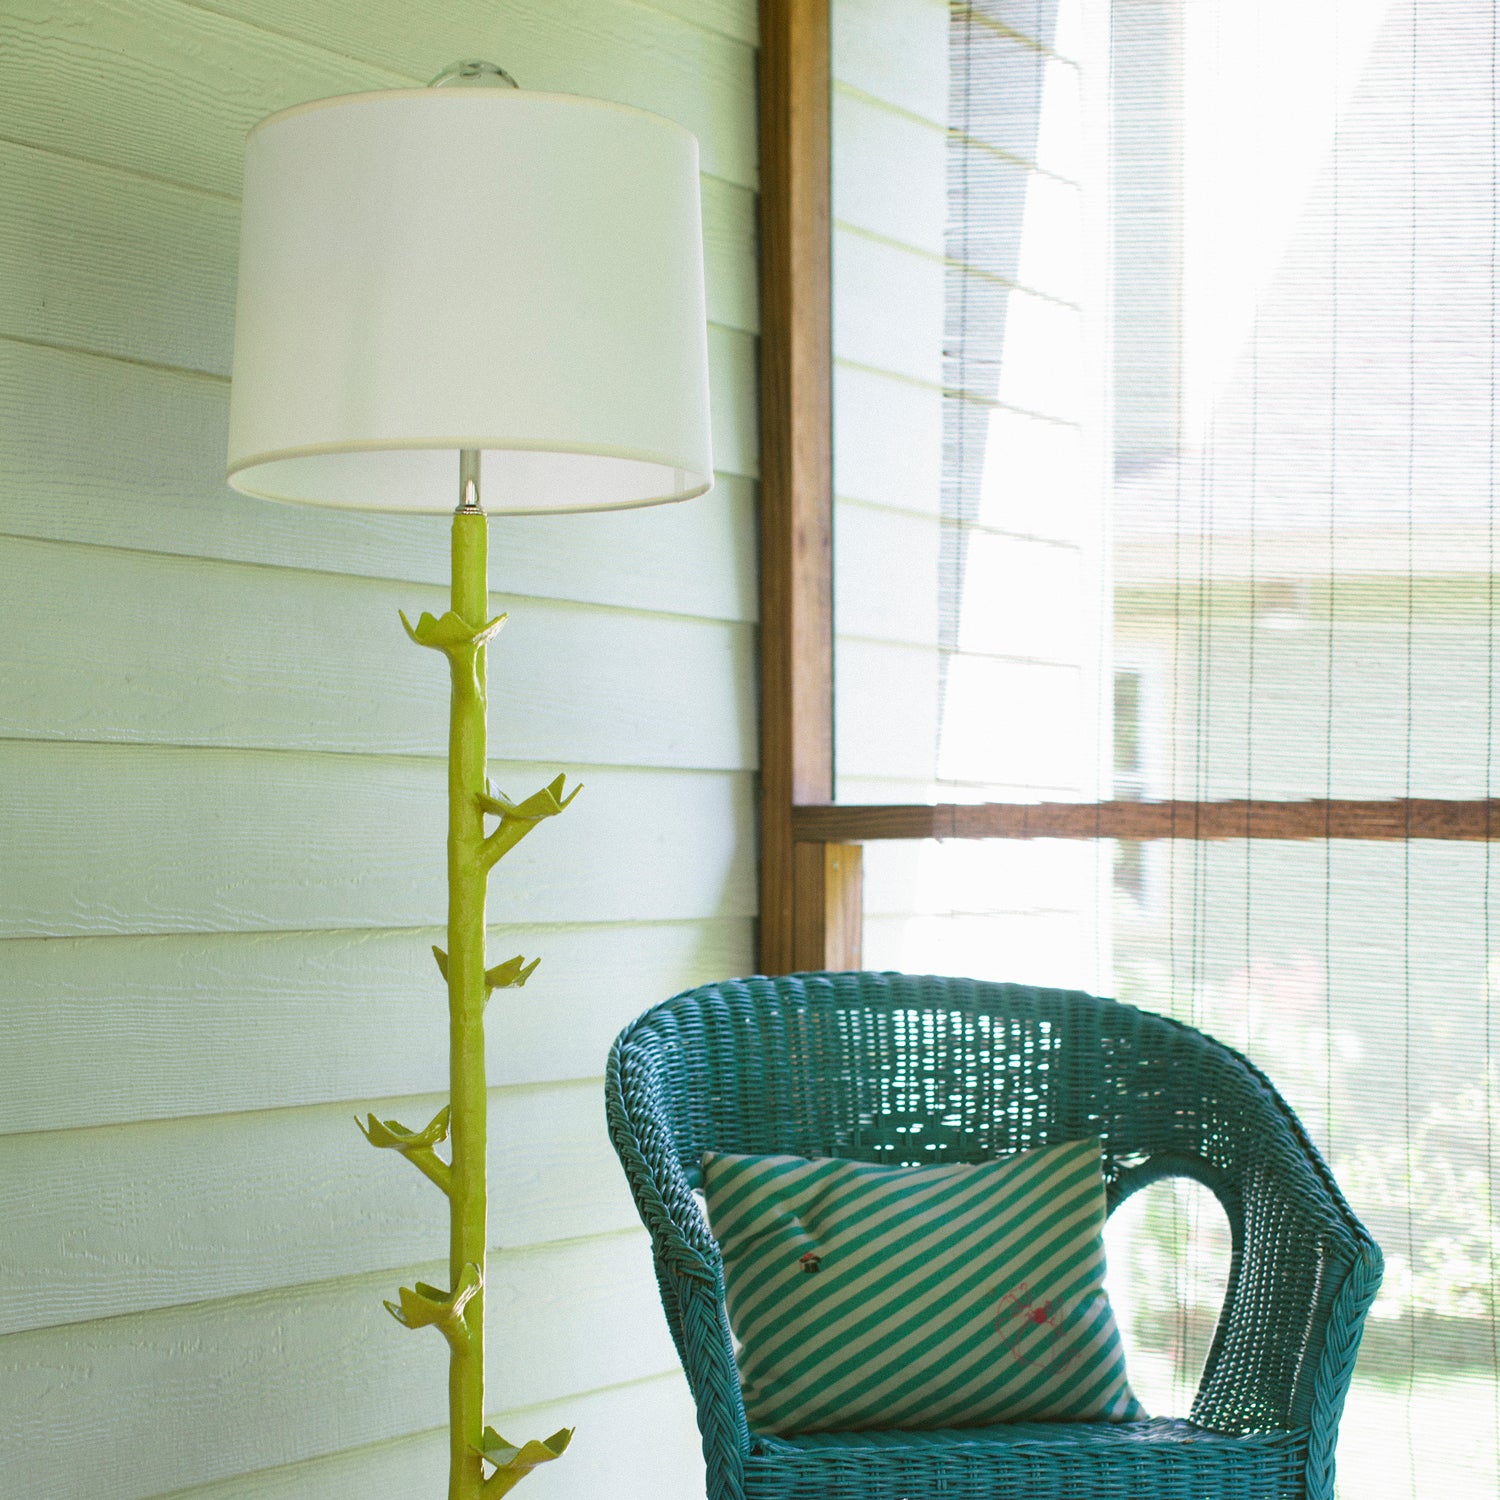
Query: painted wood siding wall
(221, 804)
(1024, 649)
(889, 148)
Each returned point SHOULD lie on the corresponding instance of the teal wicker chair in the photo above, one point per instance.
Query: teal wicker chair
(845, 1064)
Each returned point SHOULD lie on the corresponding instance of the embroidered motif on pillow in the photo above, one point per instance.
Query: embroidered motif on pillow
(929, 1296)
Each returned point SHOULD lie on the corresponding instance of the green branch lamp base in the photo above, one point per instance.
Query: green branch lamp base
(462, 635)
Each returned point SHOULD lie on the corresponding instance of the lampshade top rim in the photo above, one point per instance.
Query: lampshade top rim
(503, 96)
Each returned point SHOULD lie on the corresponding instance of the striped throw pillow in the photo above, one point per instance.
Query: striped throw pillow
(929, 1296)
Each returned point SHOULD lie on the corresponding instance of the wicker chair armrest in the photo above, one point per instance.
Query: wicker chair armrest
(641, 1135)
(689, 1266)
(1336, 1367)
(714, 1378)
(1303, 1273)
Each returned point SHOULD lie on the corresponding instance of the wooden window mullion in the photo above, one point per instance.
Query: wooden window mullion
(1396, 818)
(798, 929)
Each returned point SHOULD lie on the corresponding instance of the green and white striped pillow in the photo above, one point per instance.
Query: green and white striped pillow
(927, 1296)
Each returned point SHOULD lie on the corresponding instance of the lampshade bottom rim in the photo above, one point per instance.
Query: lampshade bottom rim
(449, 504)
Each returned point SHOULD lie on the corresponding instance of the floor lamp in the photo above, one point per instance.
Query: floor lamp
(438, 284)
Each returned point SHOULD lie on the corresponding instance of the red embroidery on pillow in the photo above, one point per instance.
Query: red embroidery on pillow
(1019, 1316)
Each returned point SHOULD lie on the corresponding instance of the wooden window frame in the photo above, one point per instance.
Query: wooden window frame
(811, 911)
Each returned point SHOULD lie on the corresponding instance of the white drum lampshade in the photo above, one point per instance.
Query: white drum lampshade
(424, 271)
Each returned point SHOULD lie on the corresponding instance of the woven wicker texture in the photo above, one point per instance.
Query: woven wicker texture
(896, 1068)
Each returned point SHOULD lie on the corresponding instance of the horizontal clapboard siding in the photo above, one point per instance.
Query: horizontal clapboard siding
(873, 277)
(291, 1374)
(97, 450)
(895, 51)
(1035, 876)
(222, 793)
(873, 146)
(148, 267)
(182, 84)
(103, 1030)
(97, 1245)
(1022, 725)
(731, 18)
(888, 440)
(127, 839)
(731, 371)
(1059, 948)
(888, 573)
(997, 697)
(295, 660)
(889, 183)
(642, 1427)
(1021, 591)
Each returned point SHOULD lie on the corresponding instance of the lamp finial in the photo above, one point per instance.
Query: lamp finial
(473, 74)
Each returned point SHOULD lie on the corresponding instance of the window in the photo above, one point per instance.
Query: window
(1166, 467)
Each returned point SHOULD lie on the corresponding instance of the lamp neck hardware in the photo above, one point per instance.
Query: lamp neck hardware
(468, 483)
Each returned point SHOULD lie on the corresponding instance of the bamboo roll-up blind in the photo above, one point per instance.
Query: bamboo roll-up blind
(1165, 577)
